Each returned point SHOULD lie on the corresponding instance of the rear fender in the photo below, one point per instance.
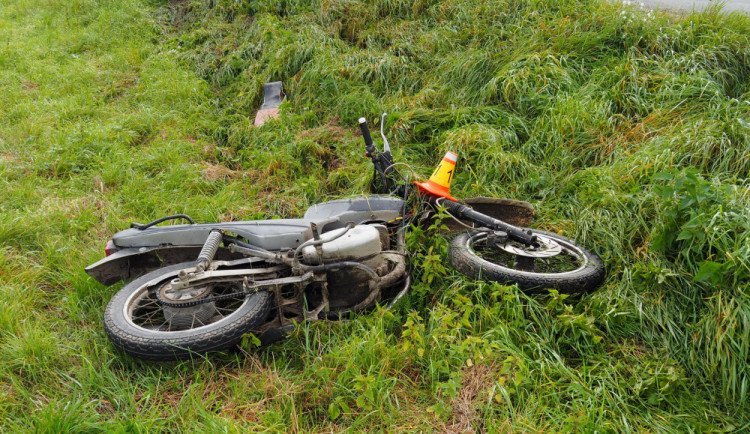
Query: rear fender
(129, 263)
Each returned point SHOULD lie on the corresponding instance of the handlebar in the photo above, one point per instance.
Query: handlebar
(381, 161)
(369, 146)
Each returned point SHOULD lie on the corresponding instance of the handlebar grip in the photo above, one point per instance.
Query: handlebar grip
(366, 135)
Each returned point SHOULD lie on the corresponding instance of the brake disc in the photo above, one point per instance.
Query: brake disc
(547, 248)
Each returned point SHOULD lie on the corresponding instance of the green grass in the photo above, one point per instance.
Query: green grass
(628, 131)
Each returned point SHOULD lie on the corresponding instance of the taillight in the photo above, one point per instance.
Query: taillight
(110, 248)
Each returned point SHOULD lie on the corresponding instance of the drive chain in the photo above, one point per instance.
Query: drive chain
(206, 299)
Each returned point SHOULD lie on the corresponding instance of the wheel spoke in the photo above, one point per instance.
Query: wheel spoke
(165, 323)
(558, 263)
(150, 302)
(151, 318)
(148, 317)
(555, 258)
(148, 313)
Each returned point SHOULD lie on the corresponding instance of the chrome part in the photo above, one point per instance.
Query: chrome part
(330, 236)
(256, 252)
(567, 248)
(363, 241)
(208, 251)
(244, 261)
(142, 310)
(179, 294)
(404, 289)
(363, 275)
(386, 146)
(316, 237)
(215, 276)
(274, 283)
(355, 254)
(547, 248)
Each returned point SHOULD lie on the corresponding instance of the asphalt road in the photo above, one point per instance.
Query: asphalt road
(689, 5)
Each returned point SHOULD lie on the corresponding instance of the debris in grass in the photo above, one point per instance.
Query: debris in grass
(215, 172)
(476, 379)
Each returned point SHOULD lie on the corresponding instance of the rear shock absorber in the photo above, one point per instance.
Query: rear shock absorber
(208, 251)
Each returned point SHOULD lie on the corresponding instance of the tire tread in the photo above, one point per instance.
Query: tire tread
(171, 348)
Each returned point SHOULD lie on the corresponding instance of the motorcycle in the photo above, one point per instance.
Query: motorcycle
(196, 288)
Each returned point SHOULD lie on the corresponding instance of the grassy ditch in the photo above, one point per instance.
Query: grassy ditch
(629, 131)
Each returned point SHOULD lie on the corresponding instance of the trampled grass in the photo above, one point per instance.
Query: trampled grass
(628, 131)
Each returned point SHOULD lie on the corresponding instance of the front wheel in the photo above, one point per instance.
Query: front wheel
(557, 263)
(139, 324)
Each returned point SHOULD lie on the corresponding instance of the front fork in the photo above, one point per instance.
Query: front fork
(461, 211)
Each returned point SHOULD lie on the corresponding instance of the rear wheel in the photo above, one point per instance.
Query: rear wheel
(139, 323)
(557, 263)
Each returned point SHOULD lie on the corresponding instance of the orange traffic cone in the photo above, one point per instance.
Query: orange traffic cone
(439, 183)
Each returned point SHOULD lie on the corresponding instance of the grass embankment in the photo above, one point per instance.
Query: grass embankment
(628, 131)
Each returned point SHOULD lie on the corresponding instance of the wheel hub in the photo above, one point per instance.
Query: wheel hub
(173, 294)
(190, 315)
(547, 248)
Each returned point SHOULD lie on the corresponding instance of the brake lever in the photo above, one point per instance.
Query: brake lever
(386, 146)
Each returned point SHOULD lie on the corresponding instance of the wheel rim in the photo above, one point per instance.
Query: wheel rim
(556, 257)
(143, 310)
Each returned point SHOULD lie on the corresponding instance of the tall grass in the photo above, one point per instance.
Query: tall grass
(627, 129)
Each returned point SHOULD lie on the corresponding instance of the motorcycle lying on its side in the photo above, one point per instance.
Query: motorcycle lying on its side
(196, 288)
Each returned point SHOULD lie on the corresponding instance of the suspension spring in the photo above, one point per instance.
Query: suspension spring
(208, 251)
